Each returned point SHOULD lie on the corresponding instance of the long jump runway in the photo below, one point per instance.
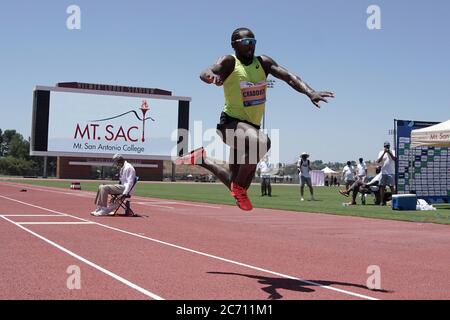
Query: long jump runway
(189, 251)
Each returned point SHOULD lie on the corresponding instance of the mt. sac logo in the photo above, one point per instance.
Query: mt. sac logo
(93, 131)
(144, 108)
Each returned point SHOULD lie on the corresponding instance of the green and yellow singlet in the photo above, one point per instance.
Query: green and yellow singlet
(245, 92)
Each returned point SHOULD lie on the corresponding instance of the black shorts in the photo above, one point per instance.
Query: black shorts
(231, 123)
(227, 122)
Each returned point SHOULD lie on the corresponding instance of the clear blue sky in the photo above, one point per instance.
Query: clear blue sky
(401, 71)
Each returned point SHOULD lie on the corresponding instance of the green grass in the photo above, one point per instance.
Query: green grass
(284, 197)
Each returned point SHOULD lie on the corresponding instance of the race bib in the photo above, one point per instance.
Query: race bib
(253, 93)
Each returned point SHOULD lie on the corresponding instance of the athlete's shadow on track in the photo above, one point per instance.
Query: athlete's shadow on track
(129, 216)
(273, 284)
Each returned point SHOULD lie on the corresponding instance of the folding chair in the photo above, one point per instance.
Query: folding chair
(124, 202)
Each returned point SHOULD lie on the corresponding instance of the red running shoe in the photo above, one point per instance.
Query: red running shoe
(240, 194)
(194, 157)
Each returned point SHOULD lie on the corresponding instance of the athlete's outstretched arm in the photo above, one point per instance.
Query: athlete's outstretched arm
(218, 72)
(271, 67)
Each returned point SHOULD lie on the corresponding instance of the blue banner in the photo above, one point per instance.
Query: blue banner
(422, 170)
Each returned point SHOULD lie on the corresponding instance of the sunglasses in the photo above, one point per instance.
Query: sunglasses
(246, 41)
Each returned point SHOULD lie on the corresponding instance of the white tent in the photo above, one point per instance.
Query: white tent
(433, 136)
(327, 170)
(317, 178)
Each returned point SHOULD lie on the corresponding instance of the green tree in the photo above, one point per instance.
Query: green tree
(15, 155)
(1, 143)
(14, 166)
(18, 147)
(317, 165)
(6, 140)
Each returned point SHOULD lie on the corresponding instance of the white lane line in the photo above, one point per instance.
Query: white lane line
(242, 264)
(59, 223)
(88, 194)
(154, 205)
(84, 194)
(194, 205)
(155, 202)
(45, 209)
(96, 266)
(354, 294)
(33, 215)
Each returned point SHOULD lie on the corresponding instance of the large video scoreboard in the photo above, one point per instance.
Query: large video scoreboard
(98, 121)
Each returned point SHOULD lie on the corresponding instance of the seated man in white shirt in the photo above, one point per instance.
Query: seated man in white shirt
(127, 176)
(364, 188)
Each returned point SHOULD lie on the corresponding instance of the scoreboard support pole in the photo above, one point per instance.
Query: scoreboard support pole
(44, 173)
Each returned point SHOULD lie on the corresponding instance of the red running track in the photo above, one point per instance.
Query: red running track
(184, 250)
